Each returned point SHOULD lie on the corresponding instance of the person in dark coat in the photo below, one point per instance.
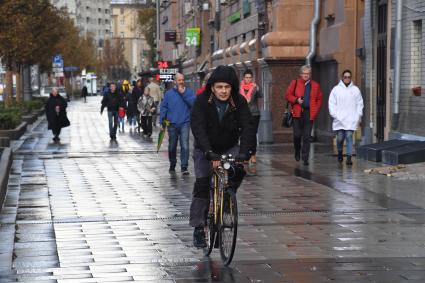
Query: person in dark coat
(137, 92)
(132, 111)
(112, 101)
(221, 124)
(56, 113)
(84, 93)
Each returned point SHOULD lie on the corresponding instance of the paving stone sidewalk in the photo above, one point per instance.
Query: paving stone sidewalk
(89, 211)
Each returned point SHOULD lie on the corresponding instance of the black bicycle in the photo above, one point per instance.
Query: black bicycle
(222, 220)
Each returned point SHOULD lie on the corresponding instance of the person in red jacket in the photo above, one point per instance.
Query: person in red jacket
(305, 97)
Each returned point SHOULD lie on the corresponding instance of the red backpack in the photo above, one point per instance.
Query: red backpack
(121, 112)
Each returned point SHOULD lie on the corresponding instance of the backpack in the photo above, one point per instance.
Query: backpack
(121, 112)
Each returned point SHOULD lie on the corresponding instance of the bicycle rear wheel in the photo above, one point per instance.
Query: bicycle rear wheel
(228, 227)
(210, 228)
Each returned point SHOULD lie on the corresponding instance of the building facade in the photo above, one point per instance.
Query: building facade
(274, 38)
(393, 112)
(91, 17)
(126, 27)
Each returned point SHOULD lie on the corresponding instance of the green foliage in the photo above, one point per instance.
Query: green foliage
(147, 20)
(10, 118)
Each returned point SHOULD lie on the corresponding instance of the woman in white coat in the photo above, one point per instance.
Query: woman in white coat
(346, 109)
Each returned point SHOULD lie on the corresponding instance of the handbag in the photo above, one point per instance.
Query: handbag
(287, 119)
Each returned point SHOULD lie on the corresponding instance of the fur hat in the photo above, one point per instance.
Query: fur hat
(224, 74)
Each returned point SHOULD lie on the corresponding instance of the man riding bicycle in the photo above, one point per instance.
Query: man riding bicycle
(220, 124)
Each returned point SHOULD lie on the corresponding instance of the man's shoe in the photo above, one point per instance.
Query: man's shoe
(172, 170)
(349, 162)
(305, 162)
(297, 156)
(340, 158)
(185, 171)
(199, 238)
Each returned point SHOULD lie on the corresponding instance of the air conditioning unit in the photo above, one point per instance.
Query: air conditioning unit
(187, 8)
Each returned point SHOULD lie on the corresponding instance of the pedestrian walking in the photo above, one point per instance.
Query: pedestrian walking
(147, 108)
(156, 93)
(176, 107)
(132, 111)
(250, 90)
(346, 109)
(106, 89)
(55, 109)
(305, 97)
(112, 100)
(221, 124)
(84, 93)
(124, 90)
(138, 92)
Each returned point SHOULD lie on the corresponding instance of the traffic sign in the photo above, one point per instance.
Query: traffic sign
(57, 61)
(71, 69)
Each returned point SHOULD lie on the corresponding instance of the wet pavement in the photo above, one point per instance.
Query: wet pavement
(88, 211)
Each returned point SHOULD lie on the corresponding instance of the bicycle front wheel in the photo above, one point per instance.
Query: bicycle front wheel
(229, 226)
(210, 230)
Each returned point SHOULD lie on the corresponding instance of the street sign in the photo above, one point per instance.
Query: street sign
(57, 61)
(71, 69)
(193, 36)
(170, 35)
(167, 75)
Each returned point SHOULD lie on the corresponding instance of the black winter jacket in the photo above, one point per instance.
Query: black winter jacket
(211, 134)
(113, 101)
(56, 120)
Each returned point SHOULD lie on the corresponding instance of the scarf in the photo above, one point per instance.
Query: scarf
(246, 90)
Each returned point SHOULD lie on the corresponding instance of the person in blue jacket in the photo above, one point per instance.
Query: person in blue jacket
(176, 107)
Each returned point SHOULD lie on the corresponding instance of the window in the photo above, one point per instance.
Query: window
(99, 21)
(99, 10)
(88, 20)
(122, 20)
(122, 35)
(106, 11)
(122, 11)
(416, 53)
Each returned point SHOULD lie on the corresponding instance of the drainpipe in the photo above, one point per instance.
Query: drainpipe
(313, 30)
(397, 63)
(158, 27)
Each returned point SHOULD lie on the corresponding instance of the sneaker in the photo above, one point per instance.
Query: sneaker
(349, 162)
(305, 162)
(185, 171)
(199, 238)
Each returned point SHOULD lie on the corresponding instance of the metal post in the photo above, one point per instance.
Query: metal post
(26, 74)
(397, 63)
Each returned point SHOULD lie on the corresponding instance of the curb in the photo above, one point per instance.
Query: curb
(5, 164)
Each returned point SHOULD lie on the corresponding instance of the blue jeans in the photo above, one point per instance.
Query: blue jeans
(132, 120)
(342, 135)
(175, 134)
(113, 123)
(121, 122)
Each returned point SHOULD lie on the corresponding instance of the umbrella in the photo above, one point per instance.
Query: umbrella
(161, 135)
